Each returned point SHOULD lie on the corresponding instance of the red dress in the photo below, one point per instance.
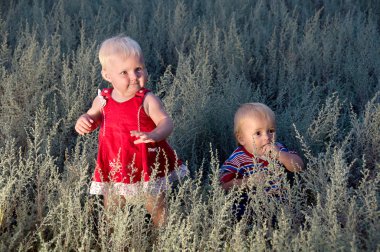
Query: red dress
(123, 165)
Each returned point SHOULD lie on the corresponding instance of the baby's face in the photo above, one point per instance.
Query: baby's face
(126, 74)
(255, 133)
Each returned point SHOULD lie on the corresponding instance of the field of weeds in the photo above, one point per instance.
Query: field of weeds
(315, 63)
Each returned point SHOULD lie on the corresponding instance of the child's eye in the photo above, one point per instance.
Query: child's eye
(139, 70)
(258, 133)
(124, 73)
(272, 131)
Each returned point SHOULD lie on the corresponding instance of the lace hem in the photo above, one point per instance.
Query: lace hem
(153, 187)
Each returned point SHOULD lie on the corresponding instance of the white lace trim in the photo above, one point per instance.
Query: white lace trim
(153, 187)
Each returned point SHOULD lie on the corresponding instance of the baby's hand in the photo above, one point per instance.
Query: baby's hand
(143, 137)
(271, 150)
(85, 124)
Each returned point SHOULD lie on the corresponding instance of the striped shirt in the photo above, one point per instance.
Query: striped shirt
(241, 163)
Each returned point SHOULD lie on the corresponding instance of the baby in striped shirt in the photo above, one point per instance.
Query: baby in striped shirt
(248, 166)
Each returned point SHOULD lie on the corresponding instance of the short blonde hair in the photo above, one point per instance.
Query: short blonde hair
(252, 110)
(119, 45)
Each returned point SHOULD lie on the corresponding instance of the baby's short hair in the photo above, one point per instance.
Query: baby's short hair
(255, 110)
(120, 45)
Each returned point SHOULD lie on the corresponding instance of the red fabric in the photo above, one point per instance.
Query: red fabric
(119, 159)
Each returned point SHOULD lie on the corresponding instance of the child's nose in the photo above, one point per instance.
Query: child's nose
(270, 136)
(267, 136)
(133, 76)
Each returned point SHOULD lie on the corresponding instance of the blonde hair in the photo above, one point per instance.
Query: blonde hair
(252, 110)
(119, 45)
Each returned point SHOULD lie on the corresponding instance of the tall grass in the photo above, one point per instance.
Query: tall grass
(316, 63)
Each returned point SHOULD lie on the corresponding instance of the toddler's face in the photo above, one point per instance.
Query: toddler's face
(127, 75)
(255, 133)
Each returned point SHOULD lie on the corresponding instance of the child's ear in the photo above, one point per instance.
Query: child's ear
(105, 75)
(240, 139)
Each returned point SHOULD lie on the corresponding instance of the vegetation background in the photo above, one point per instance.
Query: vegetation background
(315, 63)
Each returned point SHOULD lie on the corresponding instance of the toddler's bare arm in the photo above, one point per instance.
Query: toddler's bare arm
(291, 161)
(89, 121)
(164, 124)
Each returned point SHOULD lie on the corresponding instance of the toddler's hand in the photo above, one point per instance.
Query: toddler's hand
(143, 137)
(85, 124)
(271, 150)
